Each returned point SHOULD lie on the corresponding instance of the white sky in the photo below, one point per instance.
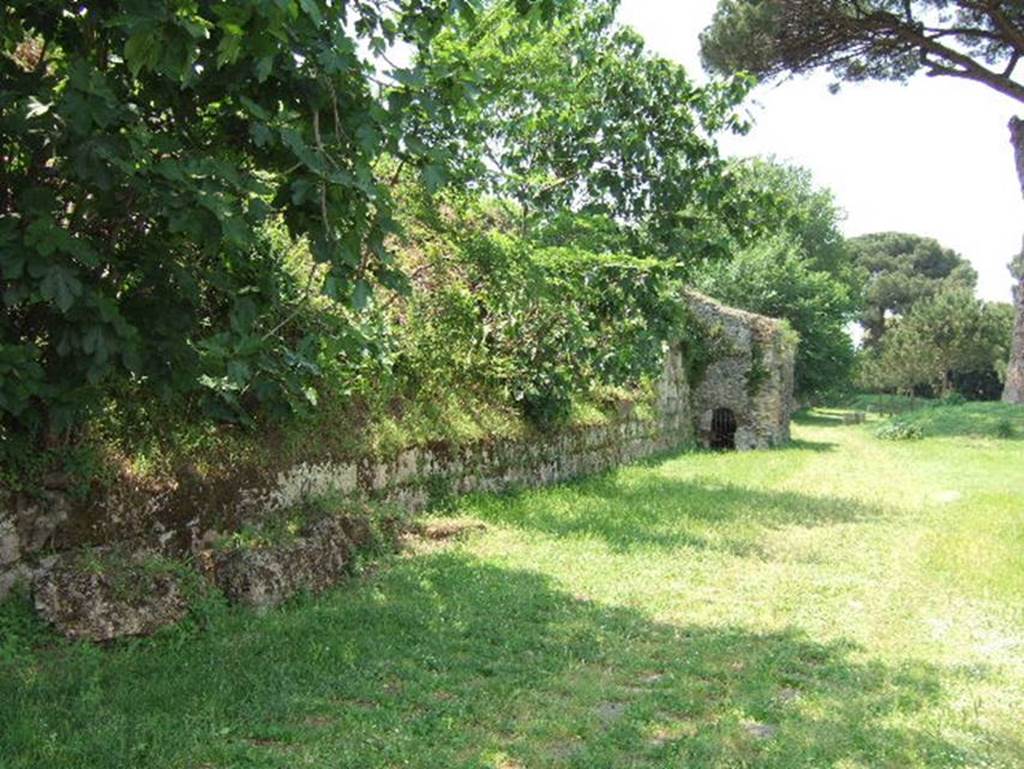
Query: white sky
(932, 157)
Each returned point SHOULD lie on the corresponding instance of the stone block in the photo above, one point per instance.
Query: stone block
(110, 600)
(406, 466)
(10, 543)
(267, 576)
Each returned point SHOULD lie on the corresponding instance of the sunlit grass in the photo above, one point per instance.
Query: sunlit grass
(987, 420)
(846, 602)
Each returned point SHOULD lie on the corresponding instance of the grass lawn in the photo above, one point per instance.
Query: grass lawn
(846, 602)
(996, 420)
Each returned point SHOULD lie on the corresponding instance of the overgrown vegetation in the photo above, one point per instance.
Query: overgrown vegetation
(504, 321)
(899, 430)
(978, 420)
(213, 228)
(496, 336)
(374, 528)
(144, 151)
(134, 577)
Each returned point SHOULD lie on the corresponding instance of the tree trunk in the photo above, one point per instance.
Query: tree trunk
(1014, 389)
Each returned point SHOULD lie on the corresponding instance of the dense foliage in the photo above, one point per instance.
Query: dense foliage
(946, 340)
(599, 126)
(774, 279)
(898, 269)
(791, 262)
(980, 40)
(225, 215)
(775, 197)
(495, 319)
(144, 145)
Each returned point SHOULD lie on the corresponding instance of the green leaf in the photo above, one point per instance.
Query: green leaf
(264, 67)
(312, 10)
(141, 51)
(302, 190)
(253, 108)
(236, 231)
(243, 316)
(413, 78)
(170, 169)
(43, 235)
(361, 294)
(61, 286)
(230, 48)
(433, 177)
(12, 265)
(238, 372)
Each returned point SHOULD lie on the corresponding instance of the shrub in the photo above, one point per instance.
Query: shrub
(144, 145)
(952, 399)
(898, 430)
(1004, 429)
(496, 319)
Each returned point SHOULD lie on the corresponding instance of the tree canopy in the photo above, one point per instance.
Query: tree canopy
(979, 40)
(791, 261)
(145, 145)
(776, 197)
(585, 119)
(945, 337)
(899, 269)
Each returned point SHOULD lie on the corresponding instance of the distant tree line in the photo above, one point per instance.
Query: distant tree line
(924, 329)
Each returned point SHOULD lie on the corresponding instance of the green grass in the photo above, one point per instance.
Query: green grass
(992, 420)
(845, 602)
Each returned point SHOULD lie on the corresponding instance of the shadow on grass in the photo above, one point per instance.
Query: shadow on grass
(442, 661)
(798, 444)
(630, 511)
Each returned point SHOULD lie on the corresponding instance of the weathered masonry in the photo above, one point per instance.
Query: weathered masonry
(729, 386)
(745, 397)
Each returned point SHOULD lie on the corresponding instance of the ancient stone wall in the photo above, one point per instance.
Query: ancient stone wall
(750, 373)
(743, 348)
(412, 478)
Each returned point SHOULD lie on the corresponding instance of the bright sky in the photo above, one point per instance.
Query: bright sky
(932, 157)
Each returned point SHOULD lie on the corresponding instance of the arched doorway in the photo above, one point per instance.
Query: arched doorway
(723, 429)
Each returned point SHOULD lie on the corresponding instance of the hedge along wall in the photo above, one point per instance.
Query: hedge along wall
(745, 361)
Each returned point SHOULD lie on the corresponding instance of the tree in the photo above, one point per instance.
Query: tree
(944, 335)
(977, 40)
(775, 278)
(584, 119)
(899, 269)
(143, 146)
(790, 260)
(986, 382)
(781, 197)
(1014, 389)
